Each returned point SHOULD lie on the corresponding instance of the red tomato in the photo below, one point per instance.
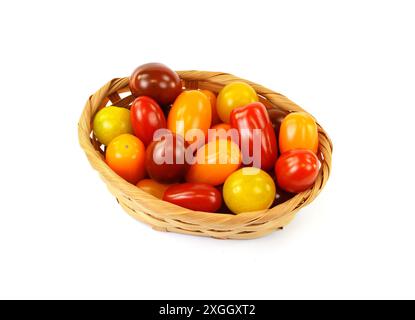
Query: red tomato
(194, 196)
(298, 131)
(146, 118)
(166, 159)
(125, 155)
(246, 119)
(297, 170)
(157, 81)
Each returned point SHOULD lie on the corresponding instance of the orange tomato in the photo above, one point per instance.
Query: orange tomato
(191, 110)
(298, 131)
(215, 161)
(153, 187)
(221, 130)
(125, 155)
(212, 98)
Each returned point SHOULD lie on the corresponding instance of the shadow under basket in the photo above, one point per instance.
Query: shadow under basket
(164, 216)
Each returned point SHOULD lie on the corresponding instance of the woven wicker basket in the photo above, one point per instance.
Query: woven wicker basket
(164, 216)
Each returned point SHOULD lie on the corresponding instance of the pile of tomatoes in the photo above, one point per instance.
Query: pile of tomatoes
(230, 170)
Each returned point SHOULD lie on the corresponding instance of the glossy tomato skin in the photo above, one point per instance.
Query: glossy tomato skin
(157, 81)
(297, 170)
(212, 99)
(146, 118)
(215, 161)
(168, 149)
(245, 120)
(234, 95)
(153, 187)
(298, 131)
(191, 110)
(110, 122)
(194, 196)
(126, 155)
(249, 189)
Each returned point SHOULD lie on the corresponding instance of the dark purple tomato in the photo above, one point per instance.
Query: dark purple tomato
(165, 159)
(194, 196)
(157, 81)
(276, 116)
(146, 118)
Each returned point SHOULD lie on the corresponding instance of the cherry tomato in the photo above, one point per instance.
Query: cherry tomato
(111, 122)
(246, 120)
(215, 161)
(296, 170)
(234, 95)
(298, 131)
(212, 98)
(153, 187)
(249, 189)
(191, 110)
(156, 81)
(222, 131)
(194, 196)
(165, 159)
(277, 116)
(146, 118)
(125, 155)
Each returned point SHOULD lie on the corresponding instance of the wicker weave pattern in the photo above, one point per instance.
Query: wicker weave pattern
(164, 216)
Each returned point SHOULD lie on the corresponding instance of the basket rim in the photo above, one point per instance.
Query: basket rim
(173, 213)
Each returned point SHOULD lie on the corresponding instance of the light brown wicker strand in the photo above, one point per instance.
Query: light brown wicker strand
(164, 216)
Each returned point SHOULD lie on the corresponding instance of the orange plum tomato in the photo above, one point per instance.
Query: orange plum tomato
(234, 95)
(215, 161)
(125, 155)
(296, 170)
(191, 110)
(212, 98)
(298, 131)
(153, 187)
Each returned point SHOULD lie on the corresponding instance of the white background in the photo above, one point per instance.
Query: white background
(349, 63)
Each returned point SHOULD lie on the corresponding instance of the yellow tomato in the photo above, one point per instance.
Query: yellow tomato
(191, 110)
(249, 189)
(153, 187)
(110, 122)
(215, 161)
(234, 95)
(298, 131)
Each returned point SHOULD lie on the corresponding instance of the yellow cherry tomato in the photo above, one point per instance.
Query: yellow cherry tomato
(212, 98)
(153, 187)
(249, 189)
(126, 155)
(191, 110)
(234, 95)
(215, 161)
(110, 122)
(298, 131)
